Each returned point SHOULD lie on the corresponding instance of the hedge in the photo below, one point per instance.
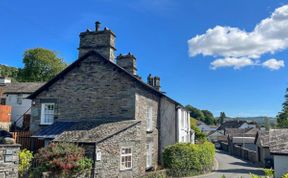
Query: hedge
(185, 159)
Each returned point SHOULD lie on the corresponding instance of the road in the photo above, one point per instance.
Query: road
(233, 167)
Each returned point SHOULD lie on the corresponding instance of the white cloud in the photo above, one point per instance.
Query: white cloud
(236, 63)
(273, 64)
(269, 36)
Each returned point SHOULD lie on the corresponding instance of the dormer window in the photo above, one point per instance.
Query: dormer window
(47, 113)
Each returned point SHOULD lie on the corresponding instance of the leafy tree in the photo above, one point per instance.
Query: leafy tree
(222, 118)
(7, 71)
(208, 117)
(40, 65)
(195, 113)
(282, 117)
(201, 115)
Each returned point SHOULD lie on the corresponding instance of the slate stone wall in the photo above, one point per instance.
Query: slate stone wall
(9, 160)
(98, 90)
(109, 165)
(94, 90)
(143, 101)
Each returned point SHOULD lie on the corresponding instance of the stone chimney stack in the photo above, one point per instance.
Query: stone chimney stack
(154, 81)
(101, 41)
(128, 62)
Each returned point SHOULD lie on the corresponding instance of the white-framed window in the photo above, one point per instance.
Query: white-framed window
(149, 148)
(47, 113)
(126, 158)
(149, 118)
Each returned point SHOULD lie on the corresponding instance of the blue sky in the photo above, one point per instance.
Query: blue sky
(157, 33)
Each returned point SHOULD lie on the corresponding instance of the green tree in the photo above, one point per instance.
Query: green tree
(195, 113)
(222, 118)
(7, 71)
(282, 117)
(208, 117)
(40, 65)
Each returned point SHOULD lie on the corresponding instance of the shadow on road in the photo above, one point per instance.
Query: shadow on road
(242, 164)
(240, 171)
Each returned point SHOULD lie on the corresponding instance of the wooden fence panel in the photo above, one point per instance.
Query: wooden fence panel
(27, 142)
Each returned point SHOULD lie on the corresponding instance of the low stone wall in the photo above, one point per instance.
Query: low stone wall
(224, 146)
(9, 160)
(244, 153)
(156, 174)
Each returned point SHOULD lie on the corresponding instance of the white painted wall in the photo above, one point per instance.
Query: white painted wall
(17, 108)
(280, 165)
(183, 119)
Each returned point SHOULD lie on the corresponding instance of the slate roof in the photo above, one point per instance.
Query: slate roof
(97, 134)
(277, 140)
(236, 132)
(84, 131)
(235, 124)
(231, 124)
(21, 87)
(93, 53)
(263, 137)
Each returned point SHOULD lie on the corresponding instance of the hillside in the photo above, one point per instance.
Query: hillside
(259, 119)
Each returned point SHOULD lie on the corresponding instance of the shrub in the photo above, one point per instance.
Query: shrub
(285, 175)
(63, 159)
(185, 159)
(25, 159)
(269, 173)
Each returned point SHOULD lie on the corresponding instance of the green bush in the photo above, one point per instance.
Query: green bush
(185, 159)
(63, 159)
(285, 175)
(25, 159)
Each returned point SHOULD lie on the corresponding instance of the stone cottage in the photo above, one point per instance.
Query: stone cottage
(102, 104)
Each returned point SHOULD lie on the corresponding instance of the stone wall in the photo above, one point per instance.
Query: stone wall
(109, 165)
(94, 90)
(143, 100)
(9, 160)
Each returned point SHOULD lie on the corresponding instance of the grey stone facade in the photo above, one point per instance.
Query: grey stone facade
(9, 160)
(109, 165)
(95, 88)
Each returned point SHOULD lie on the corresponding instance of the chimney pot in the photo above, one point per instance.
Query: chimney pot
(98, 26)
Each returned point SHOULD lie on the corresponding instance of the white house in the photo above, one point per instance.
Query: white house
(14, 95)
(184, 130)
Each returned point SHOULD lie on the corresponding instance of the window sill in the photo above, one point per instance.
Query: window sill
(149, 131)
(124, 170)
